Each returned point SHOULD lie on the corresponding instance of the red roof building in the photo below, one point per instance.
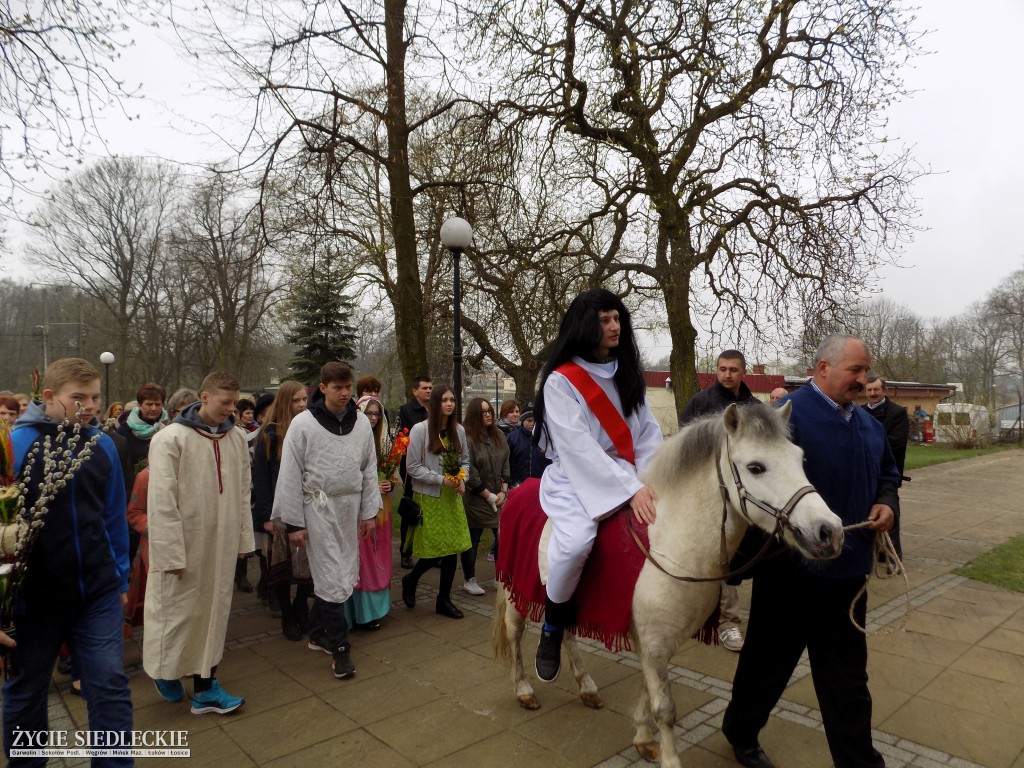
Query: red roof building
(759, 383)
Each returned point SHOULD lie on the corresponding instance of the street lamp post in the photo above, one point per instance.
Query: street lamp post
(456, 235)
(107, 358)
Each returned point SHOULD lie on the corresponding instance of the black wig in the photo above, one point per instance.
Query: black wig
(579, 336)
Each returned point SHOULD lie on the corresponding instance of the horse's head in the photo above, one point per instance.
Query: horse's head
(764, 476)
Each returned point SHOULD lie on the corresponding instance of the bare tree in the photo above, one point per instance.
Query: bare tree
(331, 82)
(755, 131)
(103, 231)
(1006, 302)
(900, 341)
(227, 263)
(976, 346)
(55, 72)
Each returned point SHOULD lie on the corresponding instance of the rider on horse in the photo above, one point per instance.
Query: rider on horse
(594, 423)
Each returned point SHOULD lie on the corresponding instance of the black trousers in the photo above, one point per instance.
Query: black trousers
(327, 623)
(447, 565)
(791, 610)
(468, 557)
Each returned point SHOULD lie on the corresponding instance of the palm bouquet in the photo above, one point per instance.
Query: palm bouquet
(60, 458)
(390, 453)
(451, 461)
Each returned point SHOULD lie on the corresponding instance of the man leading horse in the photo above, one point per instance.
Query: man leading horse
(594, 424)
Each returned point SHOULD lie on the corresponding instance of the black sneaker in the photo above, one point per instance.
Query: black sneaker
(407, 562)
(242, 584)
(549, 654)
(343, 666)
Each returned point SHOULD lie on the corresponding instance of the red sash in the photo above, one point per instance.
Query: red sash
(611, 420)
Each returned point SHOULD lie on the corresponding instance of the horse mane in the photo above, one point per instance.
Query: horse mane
(697, 443)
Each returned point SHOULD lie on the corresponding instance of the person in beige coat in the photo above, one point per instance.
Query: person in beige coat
(199, 524)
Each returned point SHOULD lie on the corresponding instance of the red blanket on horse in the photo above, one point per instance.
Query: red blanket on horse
(604, 597)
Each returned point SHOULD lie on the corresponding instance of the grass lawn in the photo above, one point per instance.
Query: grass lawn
(926, 455)
(1003, 566)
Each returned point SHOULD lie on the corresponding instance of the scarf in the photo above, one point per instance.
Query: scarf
(141, 428)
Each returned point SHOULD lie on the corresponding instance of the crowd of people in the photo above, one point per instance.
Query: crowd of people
(175, 494)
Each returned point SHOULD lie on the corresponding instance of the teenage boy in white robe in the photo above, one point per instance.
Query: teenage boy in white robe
(588, 479)
(327, 496)
(199, 525)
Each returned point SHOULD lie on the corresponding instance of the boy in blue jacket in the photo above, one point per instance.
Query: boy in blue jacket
(77, 577)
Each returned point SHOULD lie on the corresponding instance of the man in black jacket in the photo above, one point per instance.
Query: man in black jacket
(409, 415)
(896, 423)
(730, 369)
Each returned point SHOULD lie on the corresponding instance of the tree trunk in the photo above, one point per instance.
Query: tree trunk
(525, 377)
(410, 332)
(683, 361)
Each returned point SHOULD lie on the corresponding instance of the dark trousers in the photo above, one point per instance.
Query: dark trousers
(444, 585)
(790, 610)
(469, 556)
(93, 633)
(327, 623)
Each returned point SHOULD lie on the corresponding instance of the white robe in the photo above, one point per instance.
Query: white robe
(327, 484)
(587, 479)
(195, 526)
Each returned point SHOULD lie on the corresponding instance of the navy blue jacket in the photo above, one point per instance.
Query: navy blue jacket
(82, 549)
(525, 458)
(851, 466)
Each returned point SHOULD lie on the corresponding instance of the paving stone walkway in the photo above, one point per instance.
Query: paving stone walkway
(947, 680)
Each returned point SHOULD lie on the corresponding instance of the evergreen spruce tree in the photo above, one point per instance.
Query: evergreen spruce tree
(321, 320)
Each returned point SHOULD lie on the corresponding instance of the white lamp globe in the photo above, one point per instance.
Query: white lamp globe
(456, 234)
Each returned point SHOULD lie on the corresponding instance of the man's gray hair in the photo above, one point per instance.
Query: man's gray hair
(833, 347)
(873, 379)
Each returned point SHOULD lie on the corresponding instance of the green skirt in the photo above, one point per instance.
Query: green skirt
(443, 529)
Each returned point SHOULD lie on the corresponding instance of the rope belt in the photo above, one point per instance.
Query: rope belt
(317, 496)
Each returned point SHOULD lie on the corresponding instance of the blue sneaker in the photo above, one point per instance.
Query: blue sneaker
(172, 690)
(215, 700)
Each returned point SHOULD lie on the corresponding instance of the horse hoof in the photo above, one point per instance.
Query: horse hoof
(649, 750)
(529, 701)
(592, 700)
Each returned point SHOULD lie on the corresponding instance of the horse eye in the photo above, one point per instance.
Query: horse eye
(756, 468)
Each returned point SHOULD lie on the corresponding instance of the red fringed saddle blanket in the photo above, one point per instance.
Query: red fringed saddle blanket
(604, 597)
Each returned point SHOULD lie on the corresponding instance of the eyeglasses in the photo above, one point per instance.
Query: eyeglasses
(486, 411)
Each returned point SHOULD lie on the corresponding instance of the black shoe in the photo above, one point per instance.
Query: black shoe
(408, 592)
(549, 654)
(242, 584)
(407, 562)
(343, 666)
(64, 665)
(447, 608)
(752, 757)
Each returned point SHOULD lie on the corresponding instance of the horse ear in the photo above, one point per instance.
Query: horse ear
(786, 410)
(731, 417)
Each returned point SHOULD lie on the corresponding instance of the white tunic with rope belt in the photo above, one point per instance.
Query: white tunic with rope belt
(587, 479)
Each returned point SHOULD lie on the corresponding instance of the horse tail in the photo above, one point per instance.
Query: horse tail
(499, 628)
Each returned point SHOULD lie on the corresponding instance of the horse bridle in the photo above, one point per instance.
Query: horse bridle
(781, 515)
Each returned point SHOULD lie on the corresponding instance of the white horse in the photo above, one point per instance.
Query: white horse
(711, 481)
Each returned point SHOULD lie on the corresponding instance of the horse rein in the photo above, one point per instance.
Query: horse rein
(781, 516)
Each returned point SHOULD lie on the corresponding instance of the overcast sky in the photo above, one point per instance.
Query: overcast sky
(964, 122)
